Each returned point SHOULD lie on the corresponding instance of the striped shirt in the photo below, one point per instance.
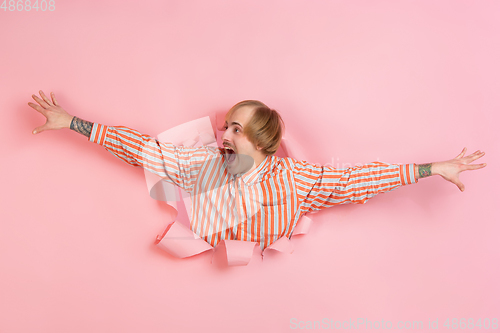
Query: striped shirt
(260, 206)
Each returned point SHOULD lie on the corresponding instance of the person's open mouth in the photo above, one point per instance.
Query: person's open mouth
(230, 154)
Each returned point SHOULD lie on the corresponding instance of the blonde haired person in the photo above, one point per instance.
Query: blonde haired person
(242, 191)
(265, 128)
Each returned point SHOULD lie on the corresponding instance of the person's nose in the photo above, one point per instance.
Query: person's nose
(226, 136)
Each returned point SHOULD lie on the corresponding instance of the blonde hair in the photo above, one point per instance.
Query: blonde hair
(265, 128)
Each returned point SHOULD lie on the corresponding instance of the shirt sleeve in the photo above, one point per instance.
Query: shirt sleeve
(321, 187)
(175, 164)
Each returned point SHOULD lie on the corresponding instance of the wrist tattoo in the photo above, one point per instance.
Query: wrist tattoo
(81, 126)
(424, 170)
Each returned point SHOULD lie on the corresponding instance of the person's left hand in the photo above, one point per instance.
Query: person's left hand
(450, 170)
(56, 116)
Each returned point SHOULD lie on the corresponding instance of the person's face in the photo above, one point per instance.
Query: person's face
(245, 153)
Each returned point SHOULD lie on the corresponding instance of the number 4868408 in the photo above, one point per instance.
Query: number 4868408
(28, 5)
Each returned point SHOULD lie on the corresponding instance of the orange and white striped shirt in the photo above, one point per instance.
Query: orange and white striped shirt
(261, 206)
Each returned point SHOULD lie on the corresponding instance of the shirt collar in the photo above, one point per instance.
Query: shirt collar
(256, 174)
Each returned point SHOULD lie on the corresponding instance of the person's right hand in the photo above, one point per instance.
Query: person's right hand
(450, 170)
(57, 117)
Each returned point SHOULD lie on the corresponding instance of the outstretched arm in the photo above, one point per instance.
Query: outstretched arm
(321, 187)
(175, 164)
(450, 169)
(57, 117)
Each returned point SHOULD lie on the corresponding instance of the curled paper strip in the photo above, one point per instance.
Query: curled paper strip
(181, 242)
(302, 226)
(178, 239)
(238, 252)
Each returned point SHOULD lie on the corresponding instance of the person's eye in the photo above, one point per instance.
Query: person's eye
(236, 130)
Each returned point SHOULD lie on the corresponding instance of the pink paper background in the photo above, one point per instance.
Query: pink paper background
(355, 81)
